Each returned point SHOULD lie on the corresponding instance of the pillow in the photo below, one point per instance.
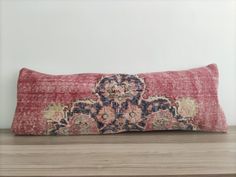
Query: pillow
(113, 103)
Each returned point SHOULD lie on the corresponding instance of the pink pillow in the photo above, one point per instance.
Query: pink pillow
(113, 103)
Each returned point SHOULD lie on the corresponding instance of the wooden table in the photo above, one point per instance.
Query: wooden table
(135, 154)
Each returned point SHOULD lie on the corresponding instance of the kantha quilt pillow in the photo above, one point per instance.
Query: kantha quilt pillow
(113, 103)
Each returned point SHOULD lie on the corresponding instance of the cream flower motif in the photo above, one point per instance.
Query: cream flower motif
(82, 124)
(54, 112)
(160, 120)
(187, 107)
(63, 131)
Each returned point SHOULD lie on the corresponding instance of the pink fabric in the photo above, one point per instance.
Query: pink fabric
(106, 103)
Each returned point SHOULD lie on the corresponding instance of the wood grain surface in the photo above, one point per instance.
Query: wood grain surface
(168, 154)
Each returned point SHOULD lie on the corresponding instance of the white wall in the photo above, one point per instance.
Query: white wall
(127, 36)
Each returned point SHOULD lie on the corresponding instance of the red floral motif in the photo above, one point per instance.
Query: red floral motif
(133, 114)
(106, 116)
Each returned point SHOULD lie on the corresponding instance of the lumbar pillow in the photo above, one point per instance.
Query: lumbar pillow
(112, 103)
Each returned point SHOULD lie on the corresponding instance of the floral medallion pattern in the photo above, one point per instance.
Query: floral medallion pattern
(120, 107)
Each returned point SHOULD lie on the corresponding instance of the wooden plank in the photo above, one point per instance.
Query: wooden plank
(134, 154)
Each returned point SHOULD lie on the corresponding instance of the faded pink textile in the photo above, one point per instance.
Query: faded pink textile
(112, 103)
